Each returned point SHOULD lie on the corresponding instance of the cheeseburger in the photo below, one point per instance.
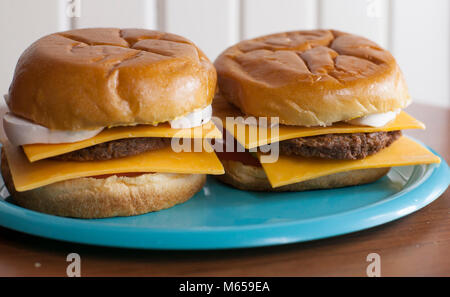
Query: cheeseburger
(333, 107)
(92, 121)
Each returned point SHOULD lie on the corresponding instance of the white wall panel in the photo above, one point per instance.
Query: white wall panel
(418, 37)
(21, 23)
(261, 17)
(211, 24)
(118, 13)
(369, 18)
(420, 42)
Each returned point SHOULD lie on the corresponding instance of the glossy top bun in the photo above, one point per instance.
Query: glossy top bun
(92, 78)
(311, 78)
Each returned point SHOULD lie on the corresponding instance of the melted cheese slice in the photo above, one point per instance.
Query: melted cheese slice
(28, 176)
(251, 136)
(292, 169)
(35, 152)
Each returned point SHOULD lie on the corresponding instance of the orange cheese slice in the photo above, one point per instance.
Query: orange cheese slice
(292, 169)
(35, 152)
(251, 136)
(28, 176)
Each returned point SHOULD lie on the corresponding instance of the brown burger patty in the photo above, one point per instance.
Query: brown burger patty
(339, 146)
(115, 149)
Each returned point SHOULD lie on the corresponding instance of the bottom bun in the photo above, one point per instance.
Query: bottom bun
(114, 196)
(253, 178)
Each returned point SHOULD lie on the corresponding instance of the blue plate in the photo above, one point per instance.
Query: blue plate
(221, 217)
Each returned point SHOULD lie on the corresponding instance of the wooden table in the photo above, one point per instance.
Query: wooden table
(417, 245)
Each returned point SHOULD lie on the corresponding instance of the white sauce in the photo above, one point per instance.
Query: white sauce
(193, 119)
(21, 131)
(376, 119)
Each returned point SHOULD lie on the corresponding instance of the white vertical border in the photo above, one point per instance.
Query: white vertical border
(390, 26)
(319, 11)
(235, 21)
(213, 25)
(161, 15)
(241, 13)
(151, 14)
(64, 22)
(262, 17)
